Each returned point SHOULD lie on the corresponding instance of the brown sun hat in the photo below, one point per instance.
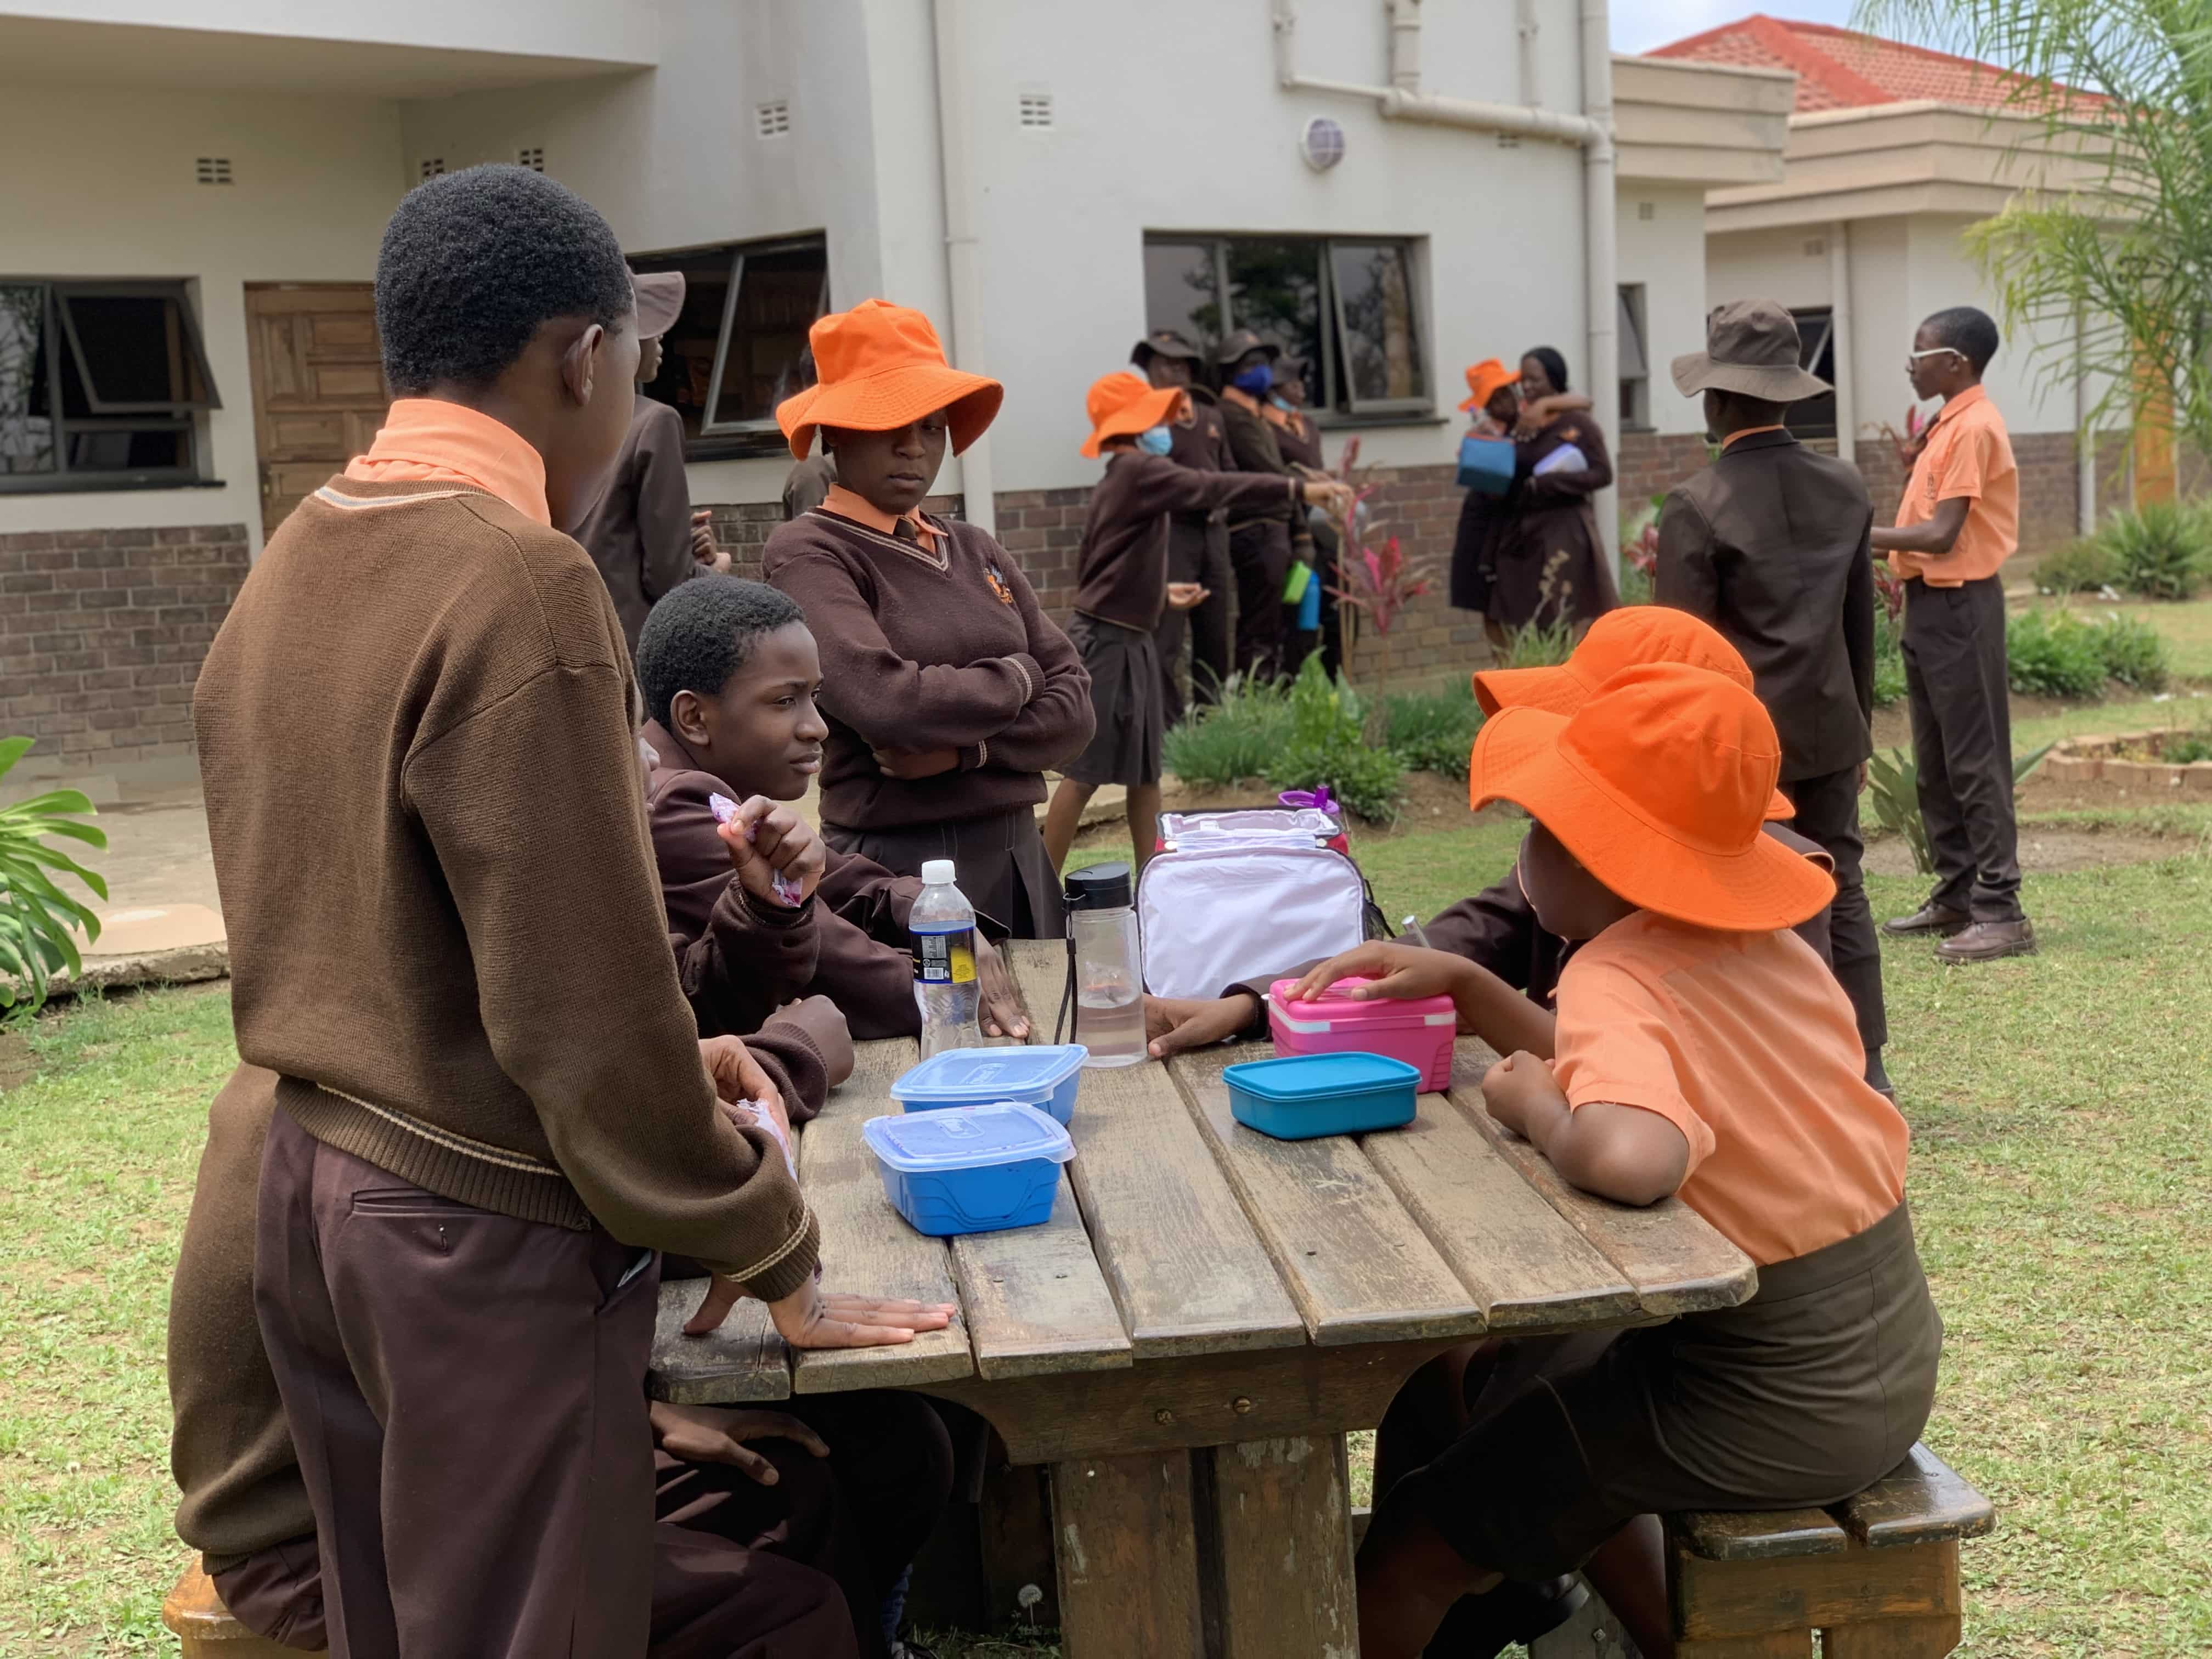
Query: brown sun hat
(1242, 344)
(659, 302)
(881, 367)
(1165, 342)
(1751, 347)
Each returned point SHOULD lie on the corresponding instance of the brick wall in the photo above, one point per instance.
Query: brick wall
(1652, 463)
(101, 636)
(2050, 486)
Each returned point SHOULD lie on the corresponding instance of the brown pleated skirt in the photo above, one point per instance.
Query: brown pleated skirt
(1808, 1394)
(1000, 860)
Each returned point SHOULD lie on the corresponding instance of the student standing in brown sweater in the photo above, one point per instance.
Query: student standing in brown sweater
(949, 691)
(1198, 543)
(492, 1107)
(1122, 587)
(1262, 545)
(642, 531)
(730, 673)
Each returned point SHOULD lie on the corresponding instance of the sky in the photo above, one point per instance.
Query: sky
(1640, 24)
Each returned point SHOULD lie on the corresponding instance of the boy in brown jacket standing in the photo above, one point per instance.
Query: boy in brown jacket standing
(416, 740)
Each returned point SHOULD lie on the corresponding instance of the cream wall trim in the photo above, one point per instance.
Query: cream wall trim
(1692, 123)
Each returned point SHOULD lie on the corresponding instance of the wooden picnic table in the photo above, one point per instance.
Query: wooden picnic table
(1206, 1314)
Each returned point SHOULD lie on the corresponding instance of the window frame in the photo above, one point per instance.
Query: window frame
(1325, 409)
(1630, 313)
(184, 417)
(746, 439)
(1808, 359)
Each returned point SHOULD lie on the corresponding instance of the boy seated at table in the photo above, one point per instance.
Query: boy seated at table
(1700, 1050)
(1122, 590)
(1497, 929)
(729, 672)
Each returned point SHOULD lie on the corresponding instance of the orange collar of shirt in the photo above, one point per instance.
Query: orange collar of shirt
(1241, 397)
(1751, 431)
(424, 439)
(1958, 401)
(860, 510)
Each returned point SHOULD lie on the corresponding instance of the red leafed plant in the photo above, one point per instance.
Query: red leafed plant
(1375, 582)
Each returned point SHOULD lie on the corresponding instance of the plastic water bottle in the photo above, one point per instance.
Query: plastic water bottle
(944, 925)
(1109, 990)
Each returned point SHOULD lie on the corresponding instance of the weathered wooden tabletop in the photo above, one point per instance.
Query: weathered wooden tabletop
(1206, 1314)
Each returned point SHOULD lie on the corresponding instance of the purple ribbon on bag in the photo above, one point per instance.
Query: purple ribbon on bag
(1320, 799)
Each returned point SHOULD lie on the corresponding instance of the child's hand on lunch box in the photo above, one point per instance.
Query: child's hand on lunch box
(1002, 1012)
(1175, 1025)
(1398, 971)
(767, 839)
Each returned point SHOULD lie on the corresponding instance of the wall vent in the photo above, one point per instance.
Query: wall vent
(1037, 111)
(1815, 248)
(773, 118)
(1647, 211)
(212, 170)
(430, 166)
(533, 158)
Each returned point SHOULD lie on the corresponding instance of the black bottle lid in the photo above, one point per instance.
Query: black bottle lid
(1099, 887)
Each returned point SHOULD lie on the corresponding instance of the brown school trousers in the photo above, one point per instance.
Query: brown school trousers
(466, 1393)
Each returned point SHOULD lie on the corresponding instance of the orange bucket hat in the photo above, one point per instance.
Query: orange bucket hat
(1483, 379)
(1120, 406)
(1619, 639)
(1658, 786)
(880, 368)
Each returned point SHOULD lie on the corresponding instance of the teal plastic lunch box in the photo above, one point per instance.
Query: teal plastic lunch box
(1302, 1095)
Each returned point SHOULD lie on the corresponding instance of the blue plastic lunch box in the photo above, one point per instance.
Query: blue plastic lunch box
(1302, 1095)
(970, 1168)
(1042, 1077)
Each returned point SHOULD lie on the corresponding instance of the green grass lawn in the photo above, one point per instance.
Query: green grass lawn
(2060, 1175)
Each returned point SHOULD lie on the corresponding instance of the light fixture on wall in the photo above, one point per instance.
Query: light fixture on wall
(1321, 143)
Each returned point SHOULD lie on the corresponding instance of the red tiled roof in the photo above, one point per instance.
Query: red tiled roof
(1842, 69)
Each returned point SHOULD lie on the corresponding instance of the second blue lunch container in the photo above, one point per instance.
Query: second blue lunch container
(970, 1169)
(1044, 1077)
(1302, 1095)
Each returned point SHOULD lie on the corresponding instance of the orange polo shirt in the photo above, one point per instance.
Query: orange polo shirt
(1746, 1043)
(1968, 453)
(424, 439)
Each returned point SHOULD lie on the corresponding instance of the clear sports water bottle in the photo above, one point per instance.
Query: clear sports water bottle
(944, 925)
(1110, 989)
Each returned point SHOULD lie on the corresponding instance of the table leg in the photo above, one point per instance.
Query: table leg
(1282, 1515)
(1128, 1556)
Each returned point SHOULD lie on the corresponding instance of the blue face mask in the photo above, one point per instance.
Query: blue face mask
(1258, 380)
(1156, 442)
(1281, 402)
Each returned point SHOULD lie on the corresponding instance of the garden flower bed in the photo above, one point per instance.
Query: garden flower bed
(2174, 759)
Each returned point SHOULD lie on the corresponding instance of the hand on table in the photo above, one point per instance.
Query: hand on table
(811, 1317)
(713, 1434)
(908, 764)
(1002, 1013)
(1522, 1094)
(1188, 596)
(1175, 1025)
(766, 838)
(1398, 971)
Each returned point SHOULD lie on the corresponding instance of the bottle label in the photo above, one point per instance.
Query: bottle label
(947, 958)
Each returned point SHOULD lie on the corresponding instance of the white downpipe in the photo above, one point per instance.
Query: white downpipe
(1591, 130)
(1525, 30)
(1842, 331)
(962, 247)
(2085, 441)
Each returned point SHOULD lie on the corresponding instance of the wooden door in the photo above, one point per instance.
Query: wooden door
(318, 385)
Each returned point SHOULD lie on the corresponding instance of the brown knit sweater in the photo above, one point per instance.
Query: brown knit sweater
(922, 649)
(419, 752)
(1122, 571)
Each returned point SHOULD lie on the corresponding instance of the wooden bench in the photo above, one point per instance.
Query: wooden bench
(1876, 1576)
(196, 1615)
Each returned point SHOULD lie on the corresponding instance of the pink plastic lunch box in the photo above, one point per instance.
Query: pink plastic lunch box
(1417, 1031)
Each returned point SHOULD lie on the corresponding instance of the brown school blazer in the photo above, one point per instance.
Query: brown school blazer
(1771, 545)
(859, 911)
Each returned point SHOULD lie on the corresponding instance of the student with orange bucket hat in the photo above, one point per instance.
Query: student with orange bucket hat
(949, 692)
(1699, 1049)
(1122, 588)
(1497, 929)
(1493, 402)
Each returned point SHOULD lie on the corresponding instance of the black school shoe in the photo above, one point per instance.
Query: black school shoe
(1484, 1627)
(1930, 918)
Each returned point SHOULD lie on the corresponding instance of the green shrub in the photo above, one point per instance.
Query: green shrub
(1888, 661)
(1539, 645)
(1432, 732)
(2052, 654)
(2158, 551)
(36, 917)
(2186, 751)
(2086, 566)
(1635, 585)
(1326, 742)
(1237, 738)
(2133, 652)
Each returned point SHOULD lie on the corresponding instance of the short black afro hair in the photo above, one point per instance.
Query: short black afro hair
(701, 632)
(473, 262)
(1971, 333)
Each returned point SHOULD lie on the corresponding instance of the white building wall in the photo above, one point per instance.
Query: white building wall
(113, 195)
(622, 31)
(1666, 253)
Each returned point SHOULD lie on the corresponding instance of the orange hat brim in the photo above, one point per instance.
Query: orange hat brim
(1556, 690)
(1517, 757)
(1156, 408)
(891, 398)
